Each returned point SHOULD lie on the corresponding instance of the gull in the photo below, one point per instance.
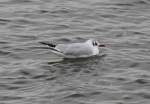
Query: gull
(76, 50)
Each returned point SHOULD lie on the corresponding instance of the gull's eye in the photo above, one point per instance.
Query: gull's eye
(95, 43)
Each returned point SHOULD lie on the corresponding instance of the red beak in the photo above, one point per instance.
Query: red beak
(102, 45)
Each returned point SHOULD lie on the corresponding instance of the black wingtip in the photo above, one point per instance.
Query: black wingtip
(49, 44)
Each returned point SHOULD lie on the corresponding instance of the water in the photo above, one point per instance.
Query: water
(30, 74)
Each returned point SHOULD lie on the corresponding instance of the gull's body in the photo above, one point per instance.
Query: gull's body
(75, 50)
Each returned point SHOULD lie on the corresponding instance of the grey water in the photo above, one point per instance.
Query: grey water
(30, 74)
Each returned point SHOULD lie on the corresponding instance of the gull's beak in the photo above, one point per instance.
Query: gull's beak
(101, 45)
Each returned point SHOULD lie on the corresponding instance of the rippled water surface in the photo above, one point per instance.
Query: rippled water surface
(30, 74)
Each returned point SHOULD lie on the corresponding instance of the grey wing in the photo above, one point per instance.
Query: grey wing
(61, 47)
(78, 50)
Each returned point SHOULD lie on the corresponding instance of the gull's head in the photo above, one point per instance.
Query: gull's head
(95, 43)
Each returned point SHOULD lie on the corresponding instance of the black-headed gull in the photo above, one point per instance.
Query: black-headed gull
(76, 50)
